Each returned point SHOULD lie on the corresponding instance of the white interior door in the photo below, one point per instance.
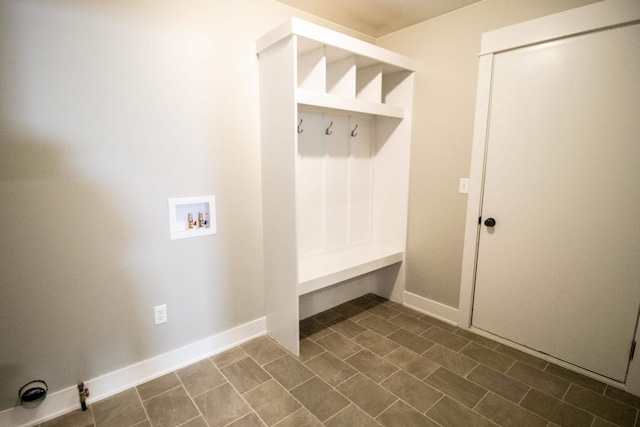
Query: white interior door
(560, 270)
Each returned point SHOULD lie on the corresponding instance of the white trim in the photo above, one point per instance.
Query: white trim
(432, 308)
(333, 38)
(64, 401)
(608, 13)
(584, 19)
(326, 298)
(474, 199)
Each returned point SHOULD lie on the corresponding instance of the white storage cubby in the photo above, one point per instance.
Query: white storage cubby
(336, 128)
(201, 211)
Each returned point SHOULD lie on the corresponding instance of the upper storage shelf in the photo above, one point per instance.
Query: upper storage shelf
(335, 71)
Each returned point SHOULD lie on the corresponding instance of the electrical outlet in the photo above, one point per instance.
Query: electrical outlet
(161, 313)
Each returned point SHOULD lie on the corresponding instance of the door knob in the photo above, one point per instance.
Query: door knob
(490, 222)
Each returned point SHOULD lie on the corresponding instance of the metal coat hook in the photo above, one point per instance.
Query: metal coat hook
(353, 132)
(300, 124)
(328, 131)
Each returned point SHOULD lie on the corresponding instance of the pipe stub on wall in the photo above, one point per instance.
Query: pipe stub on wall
(33, 393)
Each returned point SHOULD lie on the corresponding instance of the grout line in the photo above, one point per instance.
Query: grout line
(522, 407)
(398, 368)
(93, 415)
(295, 412)
(510, 366)
(341, 410)
(240, 394)
(300, 403)
(564, 395)
(164, 392)
(356, 372)
(431, 419)
(310, 359)
(144, 408)
(277, 358)
(437, 401)
(228, 364)
(484, 396)
(409, 404)
(387, 408)
(571, 404)
(465, 346)
(304, 382)
(489, 419)
(188, 421)
(192, 398)
(242, 416)
(524, 395)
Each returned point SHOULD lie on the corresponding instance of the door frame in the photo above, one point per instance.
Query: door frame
(594, 17)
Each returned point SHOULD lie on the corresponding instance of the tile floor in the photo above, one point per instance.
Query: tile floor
(368, 362)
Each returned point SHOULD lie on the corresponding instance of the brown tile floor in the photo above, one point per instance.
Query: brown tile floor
(369, 362)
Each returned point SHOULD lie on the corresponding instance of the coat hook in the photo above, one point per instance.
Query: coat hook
(300, 124)
(329, 132)
(353, 132)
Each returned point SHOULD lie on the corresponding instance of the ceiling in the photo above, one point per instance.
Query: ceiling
(377, 18)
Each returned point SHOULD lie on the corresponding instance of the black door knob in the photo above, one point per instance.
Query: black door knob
(490, 222)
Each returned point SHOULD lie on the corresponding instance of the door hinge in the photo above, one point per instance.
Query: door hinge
(633, 350)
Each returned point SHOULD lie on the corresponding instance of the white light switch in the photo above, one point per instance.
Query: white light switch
(464, 186)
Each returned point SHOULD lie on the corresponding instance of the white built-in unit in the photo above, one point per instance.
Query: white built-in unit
(336, 128)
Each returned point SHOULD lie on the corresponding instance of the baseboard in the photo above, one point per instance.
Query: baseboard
(324, 299)
(64, 401)
(432, 308)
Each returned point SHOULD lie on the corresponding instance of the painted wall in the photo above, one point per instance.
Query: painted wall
(108, 108)
(446, 49)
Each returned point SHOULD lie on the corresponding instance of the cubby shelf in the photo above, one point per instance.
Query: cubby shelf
(320, 272)
(311, 36)
(334, 192)
(342, 103)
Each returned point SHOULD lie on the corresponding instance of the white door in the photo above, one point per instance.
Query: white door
(560, 270)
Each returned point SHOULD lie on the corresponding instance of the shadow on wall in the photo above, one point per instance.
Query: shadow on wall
(59, 233)
(59, 238)
(106, 110)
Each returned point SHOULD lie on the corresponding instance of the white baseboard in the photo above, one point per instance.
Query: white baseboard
(64, 401)
(324, 299)
(432, 308)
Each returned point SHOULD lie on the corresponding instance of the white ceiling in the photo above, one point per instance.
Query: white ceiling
(377, 18)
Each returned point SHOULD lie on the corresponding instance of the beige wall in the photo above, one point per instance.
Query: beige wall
(108, 108)
(446, 49)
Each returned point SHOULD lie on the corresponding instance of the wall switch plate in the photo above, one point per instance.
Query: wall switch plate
(464, 186)
(160, 313)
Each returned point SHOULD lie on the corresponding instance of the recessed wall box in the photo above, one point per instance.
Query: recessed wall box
(192, 216)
